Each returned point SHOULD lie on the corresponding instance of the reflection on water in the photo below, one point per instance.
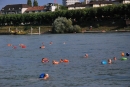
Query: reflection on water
(22, 67)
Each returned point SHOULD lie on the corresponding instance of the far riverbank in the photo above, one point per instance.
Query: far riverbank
(23, 30)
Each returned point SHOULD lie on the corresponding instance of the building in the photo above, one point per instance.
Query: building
(86, 1)
(116, 2)
(77, 5)
(90, 4)
(126, 1)
(100, 3)
(69, 2)
(14, 9)
(121, 1)
(35, 9)
(24, 8)
(50, 7)
(95, 3)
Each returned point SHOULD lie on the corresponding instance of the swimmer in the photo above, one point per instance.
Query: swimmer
(44, 76)
(109, 61)
(9, 44)
(42, 47)
(44, 60)
(21, 45)
(14, 47)
(61, 60)
(114, 58)
(86, 55)
(51, 42)
(55, 62)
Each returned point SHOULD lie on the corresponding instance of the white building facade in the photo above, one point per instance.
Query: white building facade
(14, 9)
(86, 1)
(69, 2)
(126, 1)
(50, 7)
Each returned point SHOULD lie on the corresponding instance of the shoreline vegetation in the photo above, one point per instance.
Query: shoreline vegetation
(21, 30)
(113, 18)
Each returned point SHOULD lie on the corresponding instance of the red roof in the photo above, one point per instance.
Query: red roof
(35, 8)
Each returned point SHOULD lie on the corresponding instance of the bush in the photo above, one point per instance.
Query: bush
(26, 28)
(77, 29)
(64, 25)
(97, 25)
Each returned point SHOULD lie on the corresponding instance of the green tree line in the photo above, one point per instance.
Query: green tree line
(77, 16)
(29, 2)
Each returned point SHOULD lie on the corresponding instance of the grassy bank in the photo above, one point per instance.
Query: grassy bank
(47, 29)
(104, 25)
(25, 29)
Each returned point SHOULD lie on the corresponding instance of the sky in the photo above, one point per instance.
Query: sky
(40, 2)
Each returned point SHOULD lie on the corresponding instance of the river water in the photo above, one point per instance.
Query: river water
(21, 67)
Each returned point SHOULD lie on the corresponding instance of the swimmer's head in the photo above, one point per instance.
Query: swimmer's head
(46, 74)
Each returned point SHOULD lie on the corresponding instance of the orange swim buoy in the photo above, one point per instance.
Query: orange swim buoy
(23, 46)
(65, 60)
(122, 54)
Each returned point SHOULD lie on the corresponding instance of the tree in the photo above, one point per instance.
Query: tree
(120, 1)
(60, 7)
(63, 7)
(64, 25)
(76, 28)
(29, 2)
(35, 3)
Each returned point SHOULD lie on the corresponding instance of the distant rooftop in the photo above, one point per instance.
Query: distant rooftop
(35, 8)
(15, 6)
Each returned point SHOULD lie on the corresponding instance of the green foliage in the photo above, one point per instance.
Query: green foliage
(26, 28)
(79, 17)
(60, 7)
(63, 7)
(97, 25)
(64, 25)
(35, 3)
(29, 2)
(77, 29)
